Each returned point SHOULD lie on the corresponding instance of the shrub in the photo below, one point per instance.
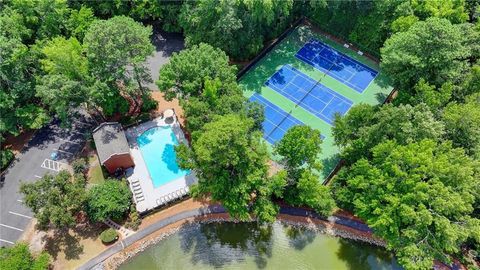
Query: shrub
(108, 236)
(6, 156)
(148, 103)
(134, 219)
(79, 165)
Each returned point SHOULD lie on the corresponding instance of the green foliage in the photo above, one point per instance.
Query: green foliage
(110, 199)
(299, 149)
(79, 22)
(113, 45)
(300, 146)
(134, 219)
(309, 191)
(55, 200)
(462, 124)
(19, 257)
(186, 73)
(108, 236)
(422, 92)
(419, 197)
(365, 126)
(6, 156)
(231, 165)
(434, 50)
(79, 165)
(237, 27)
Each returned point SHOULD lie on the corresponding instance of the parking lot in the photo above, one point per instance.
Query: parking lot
(35, 161)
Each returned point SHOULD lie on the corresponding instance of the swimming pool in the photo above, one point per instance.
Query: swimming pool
(157, 148)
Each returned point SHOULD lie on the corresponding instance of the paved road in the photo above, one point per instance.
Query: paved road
(30, 165)
(165, 45)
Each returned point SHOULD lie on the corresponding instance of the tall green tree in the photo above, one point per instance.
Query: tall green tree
(55, 200)
(230, 163)
(116, 50)
(434, 50)
(462, 124)
(237, 27)
(19, 257)
(110, 199)
(365, 126)
(300, 149)
(186, 73)
(419, 197)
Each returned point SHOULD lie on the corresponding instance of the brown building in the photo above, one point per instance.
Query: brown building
(112, 146)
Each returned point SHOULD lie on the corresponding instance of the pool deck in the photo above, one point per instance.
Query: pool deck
(146, 196)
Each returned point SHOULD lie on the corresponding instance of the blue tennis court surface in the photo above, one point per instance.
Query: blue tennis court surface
(339, 66)
(277, 121)
(321, 101)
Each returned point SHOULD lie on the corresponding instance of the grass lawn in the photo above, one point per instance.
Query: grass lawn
(95, 172)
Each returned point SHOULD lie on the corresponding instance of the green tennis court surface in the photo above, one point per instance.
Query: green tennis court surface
(306, 79)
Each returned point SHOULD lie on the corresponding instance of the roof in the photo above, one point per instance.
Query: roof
(110, 140)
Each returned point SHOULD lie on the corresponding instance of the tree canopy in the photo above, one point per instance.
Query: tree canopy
(434, 50)
(186, 73)
(19, 257)
(365, 126)
(108, 200)
(230, 162)
(419, 197)
(55, 200)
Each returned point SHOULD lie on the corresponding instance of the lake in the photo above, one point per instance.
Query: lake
(251, 246)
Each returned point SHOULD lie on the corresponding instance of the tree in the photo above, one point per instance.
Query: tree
(55, 200)
(108, 200)
(365, 126)
(64, 56)
(300, 146)
(116, 50)
(300, 149)
(79, 22)
(462, 124)
(186, 72)
(236, 27)
(434, 50)
(230, 163)
(419, 197)
(434, 97)
(19, 257)
(309, 191)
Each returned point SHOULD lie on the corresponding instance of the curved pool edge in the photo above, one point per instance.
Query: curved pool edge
(216, 213)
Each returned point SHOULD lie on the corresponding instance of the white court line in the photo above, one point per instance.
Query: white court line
(6, 241)
(37, 176)
(70, 141)
(62, 151)
(10, 227)
(21, 215)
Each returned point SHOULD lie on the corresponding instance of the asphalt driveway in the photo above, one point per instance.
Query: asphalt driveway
(30, 165)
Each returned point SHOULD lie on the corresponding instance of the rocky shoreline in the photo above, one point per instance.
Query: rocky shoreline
(118, 259)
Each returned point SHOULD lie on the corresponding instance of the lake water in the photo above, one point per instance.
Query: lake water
(250, 246)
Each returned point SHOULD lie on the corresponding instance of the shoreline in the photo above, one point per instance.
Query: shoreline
(319, 226)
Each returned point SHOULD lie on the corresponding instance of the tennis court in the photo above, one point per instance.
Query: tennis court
(337, 65)
(276, 122)
(309, 94)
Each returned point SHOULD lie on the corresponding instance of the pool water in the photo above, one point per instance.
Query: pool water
(157, 148)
